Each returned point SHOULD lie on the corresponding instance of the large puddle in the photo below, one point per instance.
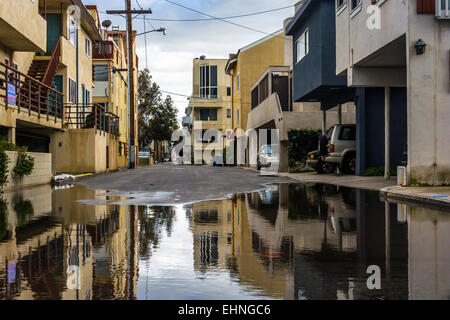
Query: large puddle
(296, 241)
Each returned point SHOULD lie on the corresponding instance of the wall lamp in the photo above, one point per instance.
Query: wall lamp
(420, 47)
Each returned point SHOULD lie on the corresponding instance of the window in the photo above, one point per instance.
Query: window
(340, 4)
(101, 72)
(208, 114)
(87, 45)
(228, 91)
(237, 124)
(88, 96)
(72, 31)
(302, 46)
(348, 133)
(355, 4)
(72, 91)
(237, 82)
(208, 82)
(228, 113)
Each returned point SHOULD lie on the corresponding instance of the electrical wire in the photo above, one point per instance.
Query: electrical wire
(226, 21)
(212, 18)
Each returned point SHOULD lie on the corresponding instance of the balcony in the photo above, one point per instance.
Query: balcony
(91, 116)
(103, 50)
(21, 26)
(28, 95)
(274, 80)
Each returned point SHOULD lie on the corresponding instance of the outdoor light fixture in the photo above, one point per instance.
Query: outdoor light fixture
(420, 47)
(163, 30)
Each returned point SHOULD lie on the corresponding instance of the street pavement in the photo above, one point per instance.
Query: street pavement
(167, 183)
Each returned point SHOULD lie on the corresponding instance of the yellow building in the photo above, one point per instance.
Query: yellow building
(47, 85)
(111, 84)
(246, 67)
(210, 105)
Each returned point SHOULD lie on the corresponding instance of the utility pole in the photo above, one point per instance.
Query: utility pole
(131, 92)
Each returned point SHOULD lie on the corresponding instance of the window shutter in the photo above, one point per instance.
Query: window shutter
(426, 6)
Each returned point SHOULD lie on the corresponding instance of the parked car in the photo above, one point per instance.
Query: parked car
(316, 161)
(342, 147)
(266, 158)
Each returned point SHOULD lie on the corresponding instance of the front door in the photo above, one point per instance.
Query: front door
(53, 31)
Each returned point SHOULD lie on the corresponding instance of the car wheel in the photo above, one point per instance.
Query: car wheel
(349, 164)
(320, 168)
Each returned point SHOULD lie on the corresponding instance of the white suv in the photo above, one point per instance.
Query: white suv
(342, 147)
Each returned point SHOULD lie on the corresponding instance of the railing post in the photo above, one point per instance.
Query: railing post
(29, 97)
(39, 101)
(48, 103)
(6, 87)
(19, 96)
(94, 108)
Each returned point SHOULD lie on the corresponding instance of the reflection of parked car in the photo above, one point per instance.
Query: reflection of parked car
(267, 158)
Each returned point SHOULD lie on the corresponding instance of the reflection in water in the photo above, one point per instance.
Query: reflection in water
(294, 241)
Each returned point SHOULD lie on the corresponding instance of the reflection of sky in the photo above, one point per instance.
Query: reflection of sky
(169, 272)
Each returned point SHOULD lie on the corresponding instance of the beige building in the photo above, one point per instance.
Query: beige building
(51, 97)
(210, 105)
(385, 48)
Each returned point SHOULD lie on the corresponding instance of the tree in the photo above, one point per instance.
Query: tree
(149, 97)
(157, 118)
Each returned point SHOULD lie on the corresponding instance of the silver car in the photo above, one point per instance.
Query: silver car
(342, 147)
(268, 157)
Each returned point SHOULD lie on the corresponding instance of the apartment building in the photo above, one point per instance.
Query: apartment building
(111, 84)
(210, 105)
(398, 51)
(246, 67)
(47, 85)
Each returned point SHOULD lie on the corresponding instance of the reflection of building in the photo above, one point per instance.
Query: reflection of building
(212, 228)
(60, 249)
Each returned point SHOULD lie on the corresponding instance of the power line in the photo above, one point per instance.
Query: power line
(212, 18)
(224, 20)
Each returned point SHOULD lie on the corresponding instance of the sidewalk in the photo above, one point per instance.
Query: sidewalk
(432, 196)
(366, 183)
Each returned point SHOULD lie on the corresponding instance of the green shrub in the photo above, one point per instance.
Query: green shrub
(378, 172)
(24, 210)
(24, 165)
(302, 142)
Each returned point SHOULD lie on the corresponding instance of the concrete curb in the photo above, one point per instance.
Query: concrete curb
(394, 194)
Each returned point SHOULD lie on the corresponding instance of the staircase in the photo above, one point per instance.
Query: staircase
(38, 68)
(45, 70)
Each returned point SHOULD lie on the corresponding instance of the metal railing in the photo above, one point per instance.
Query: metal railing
(92, 116)
(28, 94)
(103, 50)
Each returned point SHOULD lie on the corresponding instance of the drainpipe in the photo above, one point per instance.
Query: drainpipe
(77, 73)
(387, 133)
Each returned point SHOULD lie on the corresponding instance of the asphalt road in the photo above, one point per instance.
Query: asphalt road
(169, 184)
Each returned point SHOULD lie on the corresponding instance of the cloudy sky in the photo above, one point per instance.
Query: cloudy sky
(170, 57)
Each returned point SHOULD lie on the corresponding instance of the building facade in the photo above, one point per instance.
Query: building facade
(48, 84)
(210, 105)
(402, 48)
